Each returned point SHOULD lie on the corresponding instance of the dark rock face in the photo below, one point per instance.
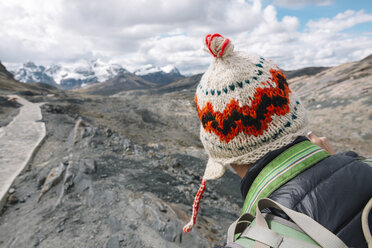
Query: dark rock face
(4, 73)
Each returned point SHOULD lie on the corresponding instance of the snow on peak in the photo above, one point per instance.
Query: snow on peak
(149, 69)
(30, 64)
(81, 72)
(170, 69)
(84, 72)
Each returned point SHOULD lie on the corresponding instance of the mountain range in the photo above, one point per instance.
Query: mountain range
(99, 78)
(84, 73)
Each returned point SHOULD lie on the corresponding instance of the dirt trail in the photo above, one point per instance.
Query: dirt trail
(18, 141)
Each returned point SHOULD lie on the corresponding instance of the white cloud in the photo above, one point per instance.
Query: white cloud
(161, 32)
(297, 3)
(340, 22)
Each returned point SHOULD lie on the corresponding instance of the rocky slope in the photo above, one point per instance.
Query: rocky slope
(339, 104)
(135, 166)
(121, 193)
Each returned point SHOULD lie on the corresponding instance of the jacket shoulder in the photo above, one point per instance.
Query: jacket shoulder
(333, 191)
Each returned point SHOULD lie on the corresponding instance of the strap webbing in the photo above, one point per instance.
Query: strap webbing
(283, 168)
(317, 232)
(365, 224)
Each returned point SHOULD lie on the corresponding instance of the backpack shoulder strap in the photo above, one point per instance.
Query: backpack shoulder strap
(317, 232)
(282, 169)
(365, 224)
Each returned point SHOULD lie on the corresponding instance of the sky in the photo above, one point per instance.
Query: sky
(135, 33)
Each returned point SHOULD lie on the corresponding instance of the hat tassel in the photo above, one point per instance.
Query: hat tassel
(188, 227)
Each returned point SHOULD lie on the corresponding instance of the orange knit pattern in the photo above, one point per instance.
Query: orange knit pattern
(281, 91)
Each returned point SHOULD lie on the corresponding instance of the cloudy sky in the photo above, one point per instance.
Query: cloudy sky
(293, 33)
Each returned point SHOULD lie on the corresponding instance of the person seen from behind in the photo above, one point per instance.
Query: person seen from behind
(252, 121)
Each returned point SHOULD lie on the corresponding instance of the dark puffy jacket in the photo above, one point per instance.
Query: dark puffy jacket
(333, 192)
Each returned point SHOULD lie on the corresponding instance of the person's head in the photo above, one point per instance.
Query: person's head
(246, 109)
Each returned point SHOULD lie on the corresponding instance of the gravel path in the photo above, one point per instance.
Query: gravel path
(18, 141)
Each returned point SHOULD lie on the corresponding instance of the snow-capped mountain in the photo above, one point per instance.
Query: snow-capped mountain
(70, 76)
(149, 69)
(159, 75)
(32, 73)
(82, 73)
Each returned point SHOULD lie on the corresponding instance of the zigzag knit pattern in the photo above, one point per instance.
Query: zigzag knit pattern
(250, 120)
(245, 107)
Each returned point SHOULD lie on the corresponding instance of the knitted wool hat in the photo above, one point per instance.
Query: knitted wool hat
(246, 110)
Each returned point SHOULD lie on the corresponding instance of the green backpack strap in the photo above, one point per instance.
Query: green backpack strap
(283, 168)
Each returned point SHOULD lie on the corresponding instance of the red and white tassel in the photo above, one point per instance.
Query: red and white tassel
(188, 227)
(218, 49)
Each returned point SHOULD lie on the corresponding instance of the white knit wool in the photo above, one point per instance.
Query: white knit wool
(216, 47)
(230, 70)
(227, 75)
